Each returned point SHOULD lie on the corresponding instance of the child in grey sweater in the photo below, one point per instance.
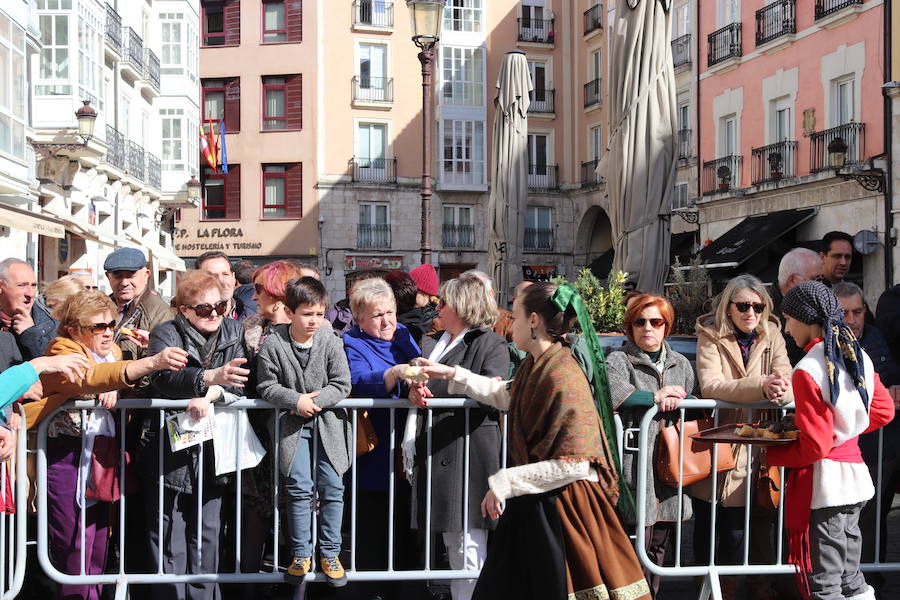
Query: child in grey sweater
(302, 367)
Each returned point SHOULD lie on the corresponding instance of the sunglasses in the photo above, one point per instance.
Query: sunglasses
(656, 323)
(743, 307)
(101, 327)
(204, 310)
(261, 289)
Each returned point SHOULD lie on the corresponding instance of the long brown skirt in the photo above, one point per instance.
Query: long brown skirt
(563, 545)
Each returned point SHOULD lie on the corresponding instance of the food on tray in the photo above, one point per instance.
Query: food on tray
(790, 428)
(785, 429)
(775, 431)
(127, 331)
(414, 373)
(745, 430)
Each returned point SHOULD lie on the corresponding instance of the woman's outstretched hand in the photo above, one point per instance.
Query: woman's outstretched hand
(491, 506)
(434, 370)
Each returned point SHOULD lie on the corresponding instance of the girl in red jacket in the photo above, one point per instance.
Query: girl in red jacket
(838, 396)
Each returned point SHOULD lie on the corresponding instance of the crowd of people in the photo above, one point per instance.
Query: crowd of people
(553, 524)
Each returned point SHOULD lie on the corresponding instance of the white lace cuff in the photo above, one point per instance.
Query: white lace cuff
(539, 477)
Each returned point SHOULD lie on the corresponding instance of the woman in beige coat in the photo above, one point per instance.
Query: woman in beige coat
(741, 358)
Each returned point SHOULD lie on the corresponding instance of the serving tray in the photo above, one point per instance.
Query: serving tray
(724, 434)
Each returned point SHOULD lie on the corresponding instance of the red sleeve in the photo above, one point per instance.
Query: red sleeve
(813, 419)
(881, 407)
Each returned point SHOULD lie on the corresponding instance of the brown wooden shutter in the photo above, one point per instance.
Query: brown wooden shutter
(232, 17)
(233, 192)
(233, 105)
(293, 10)
(293, 189)
(294, 101)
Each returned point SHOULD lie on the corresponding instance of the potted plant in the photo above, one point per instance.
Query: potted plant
(724, 174)
(689, 291)
(837, 152)
(606, 304)
(775, 162)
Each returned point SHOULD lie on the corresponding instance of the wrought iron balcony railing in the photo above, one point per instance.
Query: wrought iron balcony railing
(722, 174)
(827, 7)
(115, 148)
(592, 92)
(154, 171)
(593, 19)
(133, 49)
(151, 68)
(685, 143)
(373, 89)
(536, 30)
(775, 20)
(681, 50)
(113, 29)
(375, 170)
(538, 239)
(542, 101)
(774, 162)
(373, 13)
(837, 147)
(589, 176)
(135, 154)
(458, 236)
(543, 177)
(724, 43)
(373, 236)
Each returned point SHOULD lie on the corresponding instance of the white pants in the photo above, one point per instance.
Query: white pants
(468, 556)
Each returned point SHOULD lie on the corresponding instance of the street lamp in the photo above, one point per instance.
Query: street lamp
(86, 116)
(426, 17)
(193, 190)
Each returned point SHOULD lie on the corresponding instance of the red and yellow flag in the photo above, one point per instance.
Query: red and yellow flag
(206, 151)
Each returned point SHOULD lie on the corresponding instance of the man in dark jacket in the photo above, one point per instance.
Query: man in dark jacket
(21, 312)
(218, 264)
(887, 317)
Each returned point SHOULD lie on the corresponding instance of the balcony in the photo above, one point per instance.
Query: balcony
(592, 93)
(543, 177)
(538, 31)
(374, 90)
(115, 148)
(589, 176)
(132, 53)
(593, 19)
(828, 7)
(458, 236)
(724, 44)
(774, 21)
(685, 143)
(374, 170)
(151, 69)
(376, 14)
(135, 156)
(538, 239)
(722, 175)
(681, 50)
(154, 171)
(113, 30)
(373, 236)
(542, 101)
(837, 147)
(774, 162)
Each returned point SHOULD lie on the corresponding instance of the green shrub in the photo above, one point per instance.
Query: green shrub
(689, 294)
(606, 304)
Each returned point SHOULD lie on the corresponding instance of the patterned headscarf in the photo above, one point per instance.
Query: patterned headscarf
(814, 303)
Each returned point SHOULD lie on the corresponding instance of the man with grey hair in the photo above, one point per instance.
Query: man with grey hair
(870, 337)
(797, 266)
(21, 311)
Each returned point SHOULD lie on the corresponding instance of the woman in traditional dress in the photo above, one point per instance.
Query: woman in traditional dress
(559, 536)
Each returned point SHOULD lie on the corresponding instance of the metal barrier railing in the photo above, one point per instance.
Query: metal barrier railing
(13, 529)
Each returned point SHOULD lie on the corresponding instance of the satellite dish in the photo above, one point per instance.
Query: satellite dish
(866, 242)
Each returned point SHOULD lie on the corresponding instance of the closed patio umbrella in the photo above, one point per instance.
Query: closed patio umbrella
(640, 165)
(509, 169)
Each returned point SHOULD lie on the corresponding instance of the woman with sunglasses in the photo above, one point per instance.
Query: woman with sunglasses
(215, 356)
(86, 327)
(644, 372)
(741, 358)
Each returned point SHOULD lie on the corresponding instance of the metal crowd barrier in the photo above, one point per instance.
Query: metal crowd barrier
(13, 529)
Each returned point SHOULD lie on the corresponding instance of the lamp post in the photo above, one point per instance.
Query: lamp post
(86, 116)
(427, 17)
(193, 191)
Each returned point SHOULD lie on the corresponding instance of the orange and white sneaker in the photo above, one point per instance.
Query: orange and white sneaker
(298, 569)
(334, 571)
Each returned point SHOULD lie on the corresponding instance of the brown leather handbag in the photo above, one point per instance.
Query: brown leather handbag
(366, 439)
(697, 455)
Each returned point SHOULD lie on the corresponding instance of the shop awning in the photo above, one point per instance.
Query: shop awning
(164, 258)
(23, 220)
(752, 235)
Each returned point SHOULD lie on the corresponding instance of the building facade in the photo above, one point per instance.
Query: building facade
(84, 196)
(791, 123)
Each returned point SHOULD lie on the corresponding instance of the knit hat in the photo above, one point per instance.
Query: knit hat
(812, 302)
(426, 279)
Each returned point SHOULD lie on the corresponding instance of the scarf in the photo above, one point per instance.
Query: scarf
(564, 297)
(813, 303)
(744, 342)
(206, 346)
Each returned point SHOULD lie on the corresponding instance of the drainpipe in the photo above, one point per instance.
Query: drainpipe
(117, 73)
(697, 119)
(888, 139)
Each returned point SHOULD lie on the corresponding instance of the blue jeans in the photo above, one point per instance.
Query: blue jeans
(301, 501)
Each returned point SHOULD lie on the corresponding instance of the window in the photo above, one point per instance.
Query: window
(541, 97)
(274, 196)
(728, 135)
(844, 102)
(222, 100)
(373, 214)
(90, 48)
(680, 196)
(729, 12)
(372, 70)
(684, 116)
(463, 76)
(596, 143)
(463, 15)
(458, 230)
(533, 14)
(220, 21)
(538, 228)
(681, 22)
(463, 152)
(171, 39)
(282, 107)
(54, 46)
(172, 139)
(221, 194)
(596, 65)
(124, 115)
(782, 128)
(193, 44)
(12, 91)
(374, 230)
(274, 22)
(371, 140)
(538, 158)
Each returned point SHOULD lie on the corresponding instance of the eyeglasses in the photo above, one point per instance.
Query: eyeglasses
(101, 327)
(91, 287)
(204, 310)
(656, 323)
(743, 307)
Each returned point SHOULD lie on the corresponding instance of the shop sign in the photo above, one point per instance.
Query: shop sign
(204, 239)
(538, 272)
(364, 263)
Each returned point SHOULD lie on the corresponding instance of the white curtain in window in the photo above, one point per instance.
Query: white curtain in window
(275, 103)
(274, 191)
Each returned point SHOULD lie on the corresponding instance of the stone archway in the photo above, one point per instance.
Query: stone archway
(594, 236)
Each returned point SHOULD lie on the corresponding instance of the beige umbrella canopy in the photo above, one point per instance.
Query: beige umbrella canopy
(640, 165)
(509, 169)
